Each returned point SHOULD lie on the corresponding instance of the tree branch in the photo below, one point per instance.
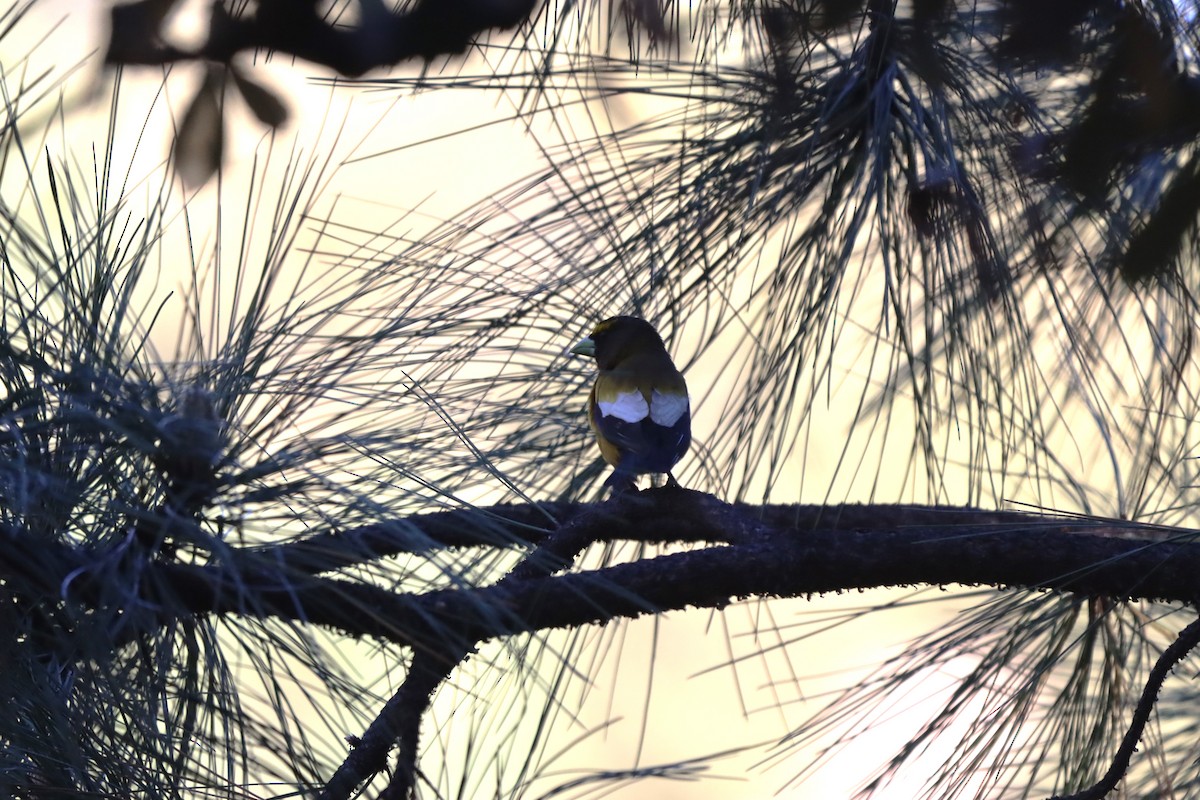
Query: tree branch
(766, 551)
(400, 719)
(1187, 640)
(660, 516)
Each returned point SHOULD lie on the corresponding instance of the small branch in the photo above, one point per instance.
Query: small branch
(1187, 640)
(650, 517)
(400, 720)
(506, 526)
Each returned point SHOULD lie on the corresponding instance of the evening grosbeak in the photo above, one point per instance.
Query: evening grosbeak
(638, 407)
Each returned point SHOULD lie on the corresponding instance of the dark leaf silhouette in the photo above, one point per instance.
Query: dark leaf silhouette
(265, 104)
(200, 142)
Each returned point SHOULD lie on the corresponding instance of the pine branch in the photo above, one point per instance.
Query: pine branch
(1187, 640)
(659, 516)
(771, 551)
(400, 719)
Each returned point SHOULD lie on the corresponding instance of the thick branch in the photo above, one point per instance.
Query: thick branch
(773, 551)
(652, 517)
(856, 547)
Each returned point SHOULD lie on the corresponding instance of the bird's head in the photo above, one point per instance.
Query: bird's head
(617, 338)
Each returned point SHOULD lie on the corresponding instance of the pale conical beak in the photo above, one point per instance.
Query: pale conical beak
(586, 347)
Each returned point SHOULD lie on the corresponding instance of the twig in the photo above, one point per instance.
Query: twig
(1188, 638)
(400, 720)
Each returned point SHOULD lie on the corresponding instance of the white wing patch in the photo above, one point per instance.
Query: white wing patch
(666, 409)
(628, 406)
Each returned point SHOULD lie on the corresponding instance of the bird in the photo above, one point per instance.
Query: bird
(638, 408)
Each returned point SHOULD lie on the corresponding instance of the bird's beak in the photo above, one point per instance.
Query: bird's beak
(586, 347)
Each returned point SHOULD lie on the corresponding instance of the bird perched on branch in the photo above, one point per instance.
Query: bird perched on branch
(638, 407)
